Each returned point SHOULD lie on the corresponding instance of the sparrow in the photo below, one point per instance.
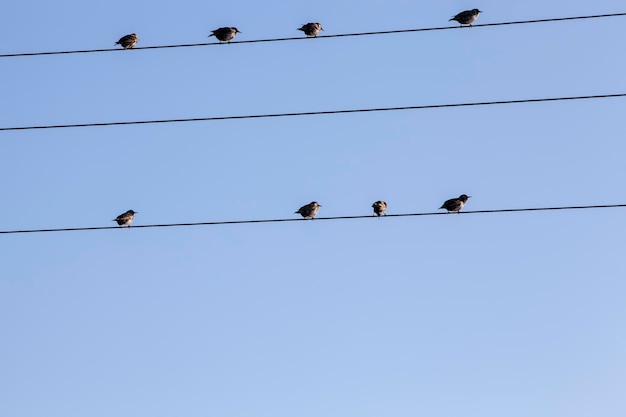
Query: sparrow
(311, 30)
(379, 208)
(455, 204)
(128, 41)
(125, 219)
(225, 34)
(309, 211)
(466, 17)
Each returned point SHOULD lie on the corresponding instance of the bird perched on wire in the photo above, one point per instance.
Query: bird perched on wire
(467, 17)
(224, 34)
(125, 219)
(455, 204)
(311, 30)
(310, 210)
(128, 41)
(379, 208)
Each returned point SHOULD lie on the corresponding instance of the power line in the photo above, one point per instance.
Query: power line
(343, 35)
(515, 210)
(314, 113)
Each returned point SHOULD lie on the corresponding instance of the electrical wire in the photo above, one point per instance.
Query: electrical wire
(343, 35)
(313, 113)
(514, 210)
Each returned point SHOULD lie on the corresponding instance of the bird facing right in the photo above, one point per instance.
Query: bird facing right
(225, 34)
(125, 219)
(379, 208)
(310, 210)
(467, 17)
(311, 30)
(455, 204)
(128, 41)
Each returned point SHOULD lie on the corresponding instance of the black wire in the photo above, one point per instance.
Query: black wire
(75, 229)
(314, 113)
(521, 22)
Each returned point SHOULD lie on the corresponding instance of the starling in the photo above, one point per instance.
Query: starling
(466, 17)
(310, 210)
(379, 208)
(125, 219)
(224, 34)
(128, 41)
(455, 204)
(311, 30)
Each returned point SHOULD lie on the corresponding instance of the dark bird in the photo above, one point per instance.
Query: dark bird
(125, 219)
(309, 211)
(455, 204)
(224, 34)
(379, 208)
(311, 30)
(128, 41)
(467, 17)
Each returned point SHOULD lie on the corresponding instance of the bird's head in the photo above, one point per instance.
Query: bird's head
(464, 197)
(476, 11)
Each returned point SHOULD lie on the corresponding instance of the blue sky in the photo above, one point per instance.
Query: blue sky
(474, 315)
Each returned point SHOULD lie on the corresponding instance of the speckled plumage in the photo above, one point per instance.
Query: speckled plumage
(379, 208)
(467, 17)
(225, 34)
(310, 210)
(455, 204)
(128, 41)
(311, 30)
(125, 219)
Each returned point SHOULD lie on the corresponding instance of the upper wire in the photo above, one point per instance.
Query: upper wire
(341, 35)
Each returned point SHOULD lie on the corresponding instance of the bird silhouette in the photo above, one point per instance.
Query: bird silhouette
(310, 210)
(455, 204)
(467, 17)
(379, 208)
(125, 219)
(311, 30)
(128, 41)
(225, 34)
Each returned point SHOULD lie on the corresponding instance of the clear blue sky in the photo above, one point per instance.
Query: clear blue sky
(499, 315)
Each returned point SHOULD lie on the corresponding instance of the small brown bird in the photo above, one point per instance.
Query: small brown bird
(455, 204)
(379, 208)
(467, 17)
(125, 219)
(225, 34)
(128, 41)
(309, 211)
(311, 30)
